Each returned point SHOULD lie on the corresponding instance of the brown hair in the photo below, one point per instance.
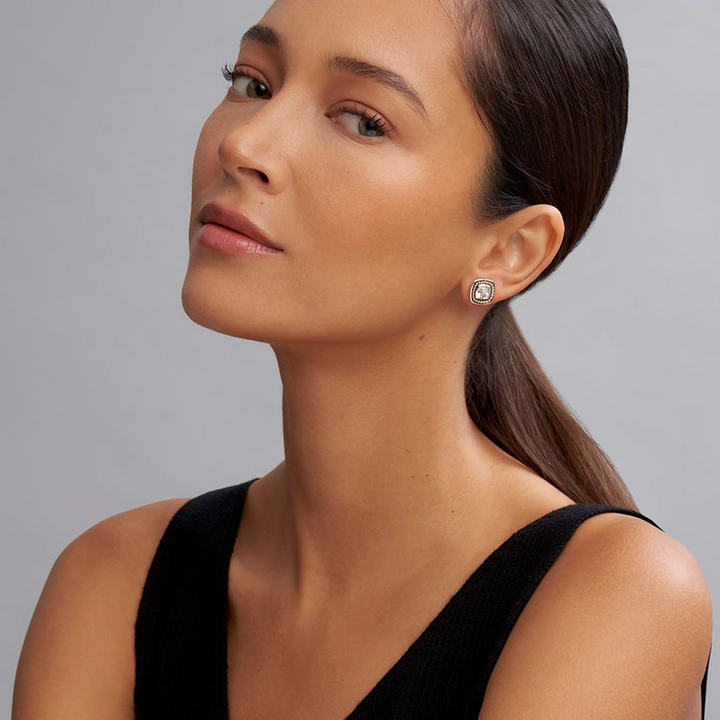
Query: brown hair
(549, 81)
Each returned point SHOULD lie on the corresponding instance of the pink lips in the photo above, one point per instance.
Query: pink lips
(229, 242)
(231, 232)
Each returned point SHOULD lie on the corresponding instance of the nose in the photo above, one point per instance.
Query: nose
(250, 149)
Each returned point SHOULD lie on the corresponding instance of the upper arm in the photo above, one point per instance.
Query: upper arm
(77, 661)
(620, 627)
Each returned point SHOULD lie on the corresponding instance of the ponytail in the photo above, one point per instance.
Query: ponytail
(549, 81)
(513, 403)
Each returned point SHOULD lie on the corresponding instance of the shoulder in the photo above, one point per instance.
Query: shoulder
(114, 554)
(78, 652)
(620, 626)
(127, 535)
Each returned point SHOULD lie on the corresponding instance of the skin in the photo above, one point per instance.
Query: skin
(388, 495)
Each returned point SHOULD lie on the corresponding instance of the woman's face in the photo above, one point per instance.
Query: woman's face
(374, 222)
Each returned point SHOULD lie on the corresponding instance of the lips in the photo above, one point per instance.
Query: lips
(214, 212)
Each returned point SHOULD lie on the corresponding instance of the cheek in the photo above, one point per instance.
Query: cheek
(381, 240)
(395, 209)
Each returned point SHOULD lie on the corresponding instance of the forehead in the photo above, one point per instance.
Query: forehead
(413, 38)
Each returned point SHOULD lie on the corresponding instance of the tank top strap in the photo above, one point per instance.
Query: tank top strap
(182, 615)
(449, 665)
(515, 571)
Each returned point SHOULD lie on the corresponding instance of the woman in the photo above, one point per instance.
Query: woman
(442, 539)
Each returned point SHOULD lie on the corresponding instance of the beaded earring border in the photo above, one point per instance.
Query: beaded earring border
(482, 291)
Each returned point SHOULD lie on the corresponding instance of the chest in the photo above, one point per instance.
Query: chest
(280, 665)
(270, 678)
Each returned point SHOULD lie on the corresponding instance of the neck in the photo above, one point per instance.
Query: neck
(384, 470)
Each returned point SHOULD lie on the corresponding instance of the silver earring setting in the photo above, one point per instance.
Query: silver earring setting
(482, 291)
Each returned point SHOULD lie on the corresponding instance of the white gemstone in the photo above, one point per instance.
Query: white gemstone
(483, 292)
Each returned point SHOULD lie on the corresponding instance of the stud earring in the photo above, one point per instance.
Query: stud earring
(482, 291)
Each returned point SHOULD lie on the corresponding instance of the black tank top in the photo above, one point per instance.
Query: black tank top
(181, 626)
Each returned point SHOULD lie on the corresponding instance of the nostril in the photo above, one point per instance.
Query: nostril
(264, 176)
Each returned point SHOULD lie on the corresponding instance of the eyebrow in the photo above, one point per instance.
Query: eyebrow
(266, 35)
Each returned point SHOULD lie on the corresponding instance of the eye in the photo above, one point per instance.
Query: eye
(256, 88)
(374, 123)
(256, 85)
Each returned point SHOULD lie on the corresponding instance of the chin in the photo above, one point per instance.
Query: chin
(197, 307)
(205, 303)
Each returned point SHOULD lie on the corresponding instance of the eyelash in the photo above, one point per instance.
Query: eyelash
(232, 73)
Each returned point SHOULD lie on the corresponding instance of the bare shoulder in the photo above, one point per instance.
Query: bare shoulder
(620, 626)
(78, 658)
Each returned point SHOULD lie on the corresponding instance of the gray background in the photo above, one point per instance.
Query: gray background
(112, 398)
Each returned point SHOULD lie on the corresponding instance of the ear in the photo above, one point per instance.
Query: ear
(517, 249)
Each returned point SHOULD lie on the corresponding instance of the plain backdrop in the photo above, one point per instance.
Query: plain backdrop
(112, 398)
